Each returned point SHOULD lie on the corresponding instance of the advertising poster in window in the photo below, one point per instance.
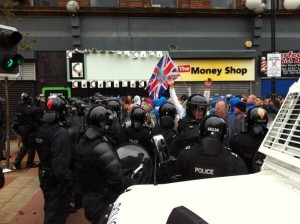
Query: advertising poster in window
(290, 64)
(76, 66)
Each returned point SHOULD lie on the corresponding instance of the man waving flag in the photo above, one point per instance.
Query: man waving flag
(158, 82)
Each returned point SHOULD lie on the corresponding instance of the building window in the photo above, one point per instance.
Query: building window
(223, 4)
(164, 3)
(104, 3)
(46, 3)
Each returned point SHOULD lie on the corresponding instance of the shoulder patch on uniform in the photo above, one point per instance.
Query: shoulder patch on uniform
(234, 154)
(187, 147)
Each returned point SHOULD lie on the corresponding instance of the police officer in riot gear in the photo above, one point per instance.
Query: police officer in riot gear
(55, 152)
(188, 127)
(208, 158)
(138, 132)
(98, 166)
(27, 126)
(116, 126)
(246, 143)
(167, 114)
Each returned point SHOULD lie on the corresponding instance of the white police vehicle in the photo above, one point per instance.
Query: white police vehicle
(269, 196)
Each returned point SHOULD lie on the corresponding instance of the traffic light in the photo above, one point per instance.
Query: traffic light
(9, 57)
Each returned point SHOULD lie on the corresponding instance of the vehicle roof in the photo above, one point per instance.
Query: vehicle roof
(264, 197)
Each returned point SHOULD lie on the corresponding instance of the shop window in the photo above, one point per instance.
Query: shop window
(164, 3)
(223, 4)
(46, 3)
(104, 3)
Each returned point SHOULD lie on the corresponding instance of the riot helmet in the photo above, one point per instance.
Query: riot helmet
(25, 97)
(138, 117)
(138, 114)
(56, 108)
(57, 103)
(100, 117)
(167, 113)
(115, 106)
(213, 126)
(256, 120)
(196, 103)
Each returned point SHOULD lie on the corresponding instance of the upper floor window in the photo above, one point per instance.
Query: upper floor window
(46, 3)
(223, 4)
(105, 3)
(164, 3)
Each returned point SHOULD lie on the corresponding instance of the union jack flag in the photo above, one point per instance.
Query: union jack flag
(158, 82)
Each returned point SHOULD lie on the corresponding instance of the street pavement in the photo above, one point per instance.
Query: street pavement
(21, 199)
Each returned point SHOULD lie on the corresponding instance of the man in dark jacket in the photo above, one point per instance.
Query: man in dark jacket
(246, 143)
(209, 158)
(98, 166)
(55, 152)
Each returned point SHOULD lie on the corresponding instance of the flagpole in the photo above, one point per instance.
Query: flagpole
(185, 84)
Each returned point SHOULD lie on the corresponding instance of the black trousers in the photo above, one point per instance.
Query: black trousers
(56, 208)
(2, 143)
(26, 147)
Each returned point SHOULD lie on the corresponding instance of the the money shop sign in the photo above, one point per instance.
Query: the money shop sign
(216, 69)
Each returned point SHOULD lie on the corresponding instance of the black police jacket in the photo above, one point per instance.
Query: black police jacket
(169, 134)
(246, 145)
(138, 135)
(55, 151)
(193, 164)
(98, 165)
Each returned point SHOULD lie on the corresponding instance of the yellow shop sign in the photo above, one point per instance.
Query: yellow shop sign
(216, 69)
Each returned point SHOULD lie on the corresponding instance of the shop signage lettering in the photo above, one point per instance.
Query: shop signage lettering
(218, 71)
(290, 64)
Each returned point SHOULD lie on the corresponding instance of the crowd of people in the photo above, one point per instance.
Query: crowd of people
(77, 140)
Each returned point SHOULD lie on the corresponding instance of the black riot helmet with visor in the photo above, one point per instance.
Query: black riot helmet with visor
(213, 130)
(114, 106)
(138, 117)
(167, 113)
(196, 106)
(56, 109)
(256, 121)
(100, 117)
(25, 97)
(213, 126)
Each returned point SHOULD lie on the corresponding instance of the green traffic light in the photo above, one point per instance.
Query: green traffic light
(10, 63)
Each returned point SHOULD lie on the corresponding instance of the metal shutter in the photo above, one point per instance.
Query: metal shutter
(14, 92)
(221, 88)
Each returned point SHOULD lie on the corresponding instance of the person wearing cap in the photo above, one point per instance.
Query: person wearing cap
(236, 122)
